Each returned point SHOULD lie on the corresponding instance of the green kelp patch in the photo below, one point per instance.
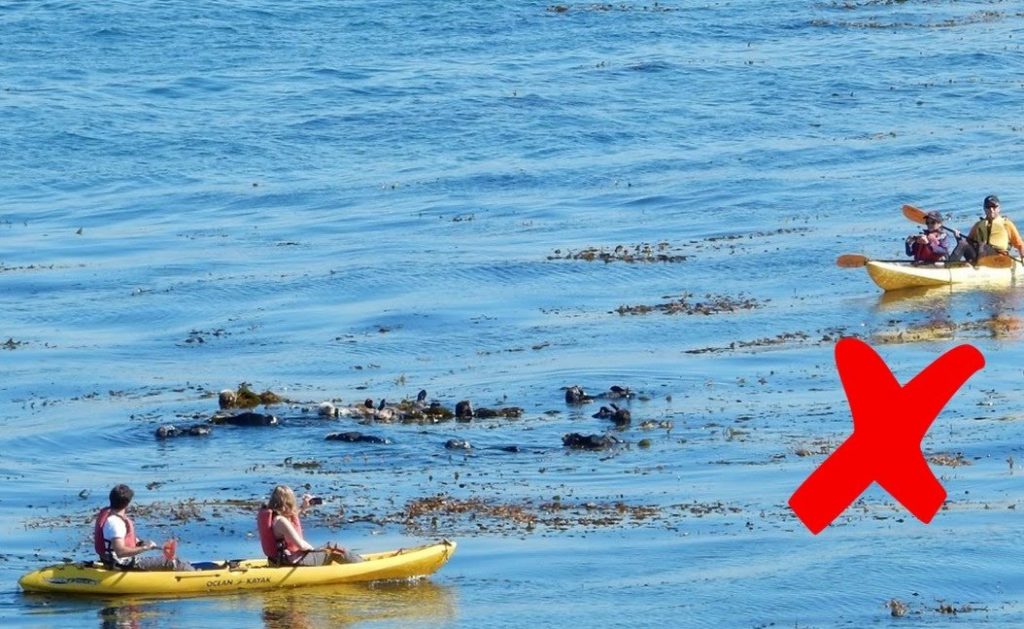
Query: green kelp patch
(817, 447)
(894, 332)
(605, 7)
(978, 17)
(759, 234)
(159, 514)
(934, 331)
(431, 514)
(947, 459)
(951, 608)
(443, 504)
(307, 464)
(998, 327)
(632, 254)
(11, 344)
(200, 337)
(899, 609)
(779, 339)
(687, 305)
(35, 267)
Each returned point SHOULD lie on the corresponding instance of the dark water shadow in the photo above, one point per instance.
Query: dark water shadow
(914, 298)
(128, 616)
(995, 300)
(402, 602)
(418, 601)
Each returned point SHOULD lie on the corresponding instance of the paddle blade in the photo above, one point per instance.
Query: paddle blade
(851, 261)
(996, 262)
(170, 549)
(915, 214)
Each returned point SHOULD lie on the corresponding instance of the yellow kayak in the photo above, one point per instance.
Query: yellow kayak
(898, 275)
(236, 576)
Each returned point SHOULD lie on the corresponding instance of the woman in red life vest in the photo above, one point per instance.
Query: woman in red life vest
(281, 533)
(115, 541)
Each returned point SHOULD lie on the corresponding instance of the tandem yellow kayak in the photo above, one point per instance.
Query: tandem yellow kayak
(236, 576)
(898, 275)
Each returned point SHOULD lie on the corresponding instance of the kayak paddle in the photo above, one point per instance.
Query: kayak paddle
(918, 215)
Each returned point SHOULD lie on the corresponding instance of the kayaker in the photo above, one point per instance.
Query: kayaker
(932, 245)
(994, 233)
(116, 543)
(281, 535)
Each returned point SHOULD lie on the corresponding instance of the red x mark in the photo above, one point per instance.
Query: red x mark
(889, 422)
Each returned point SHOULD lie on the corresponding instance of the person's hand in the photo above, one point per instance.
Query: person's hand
(151, 545)
(306, 501)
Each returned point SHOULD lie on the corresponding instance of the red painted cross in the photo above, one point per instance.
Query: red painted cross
(889, 422)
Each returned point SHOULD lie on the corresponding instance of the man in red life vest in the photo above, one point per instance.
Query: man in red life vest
(115, 541)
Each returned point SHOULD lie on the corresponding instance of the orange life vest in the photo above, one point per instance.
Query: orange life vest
(102, 546)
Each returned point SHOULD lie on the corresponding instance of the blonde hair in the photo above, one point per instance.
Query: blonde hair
(282, 500)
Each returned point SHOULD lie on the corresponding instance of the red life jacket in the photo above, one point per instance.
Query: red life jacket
(274, 548)
(924, 252)
(101, 545)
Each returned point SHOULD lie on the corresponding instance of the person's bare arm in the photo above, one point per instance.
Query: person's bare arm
(283, 528)
(118, 546)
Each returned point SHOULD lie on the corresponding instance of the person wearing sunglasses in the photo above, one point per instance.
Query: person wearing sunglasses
(994, 233)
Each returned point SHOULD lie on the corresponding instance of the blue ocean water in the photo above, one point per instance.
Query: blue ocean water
(362, 199)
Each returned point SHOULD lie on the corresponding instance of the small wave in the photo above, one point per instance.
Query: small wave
(650, 66)
(165, 91)
(316, 123)
(337, 73)
(111, 33)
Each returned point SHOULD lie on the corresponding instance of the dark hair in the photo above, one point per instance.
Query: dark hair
(120, 497)
(934, 217)
(991, 201)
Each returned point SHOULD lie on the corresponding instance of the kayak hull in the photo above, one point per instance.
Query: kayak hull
(896, 276)
(241, 576)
